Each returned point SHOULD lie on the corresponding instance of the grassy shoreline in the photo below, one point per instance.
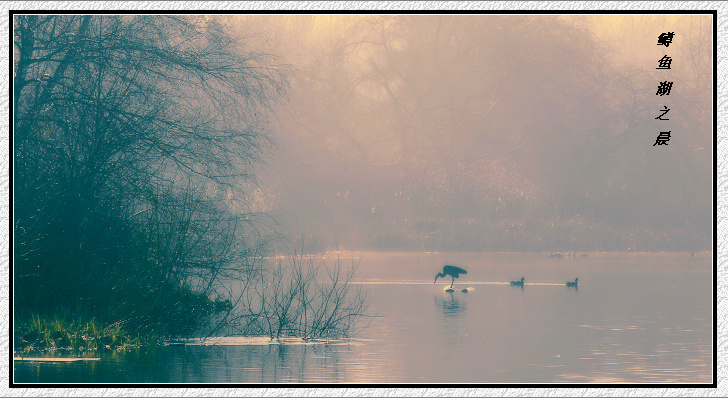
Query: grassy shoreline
(73, 335)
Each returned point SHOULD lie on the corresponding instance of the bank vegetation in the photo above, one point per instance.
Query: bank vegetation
(137, 139)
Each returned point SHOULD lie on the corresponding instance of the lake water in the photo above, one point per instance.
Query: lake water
(635, 318)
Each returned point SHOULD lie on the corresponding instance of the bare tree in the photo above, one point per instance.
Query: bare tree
(135, 140)
(302, 298)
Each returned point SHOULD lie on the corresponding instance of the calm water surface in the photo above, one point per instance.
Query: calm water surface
(635, 318)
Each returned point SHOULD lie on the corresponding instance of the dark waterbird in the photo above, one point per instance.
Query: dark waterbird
(517, 283)
(575, 283)
(452, 271)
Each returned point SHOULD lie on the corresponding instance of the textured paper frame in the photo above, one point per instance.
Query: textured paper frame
(720, 179)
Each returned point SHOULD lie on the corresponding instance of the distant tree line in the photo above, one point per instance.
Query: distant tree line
(481, 132)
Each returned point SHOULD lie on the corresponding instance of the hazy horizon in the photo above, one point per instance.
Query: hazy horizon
(489, 132)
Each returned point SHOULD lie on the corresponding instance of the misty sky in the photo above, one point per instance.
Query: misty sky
(489, 132)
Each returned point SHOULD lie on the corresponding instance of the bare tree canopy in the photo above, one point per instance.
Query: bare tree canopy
(135, 137)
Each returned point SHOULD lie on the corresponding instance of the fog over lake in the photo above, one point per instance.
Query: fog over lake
(481, 133)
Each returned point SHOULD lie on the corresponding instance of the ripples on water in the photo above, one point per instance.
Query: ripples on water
(633, 319)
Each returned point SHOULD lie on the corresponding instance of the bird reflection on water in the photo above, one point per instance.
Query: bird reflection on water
(451, 305)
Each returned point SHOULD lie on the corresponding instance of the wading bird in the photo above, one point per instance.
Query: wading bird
(451, 270)
(575, 283)
(517, 283)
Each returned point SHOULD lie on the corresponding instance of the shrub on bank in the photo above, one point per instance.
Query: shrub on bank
(42, 334)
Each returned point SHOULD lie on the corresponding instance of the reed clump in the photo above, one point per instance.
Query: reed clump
(39, 333)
